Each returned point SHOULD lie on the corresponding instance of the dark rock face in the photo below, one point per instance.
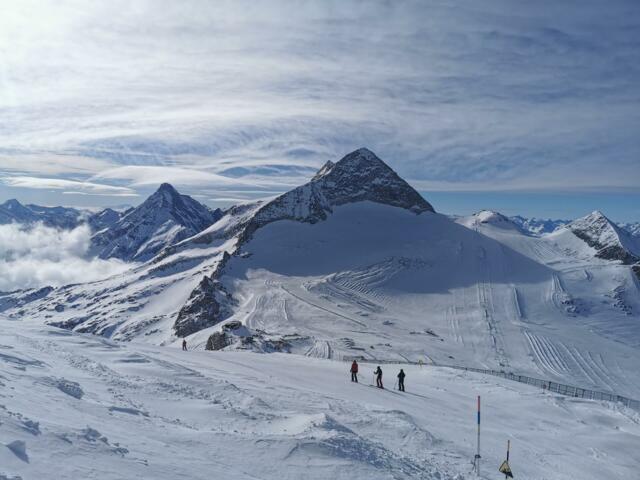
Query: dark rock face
(361, 175)
(608, 252)
(104, 219)
(233, 325)
(207, 305)
(216, 341)
(20, 298)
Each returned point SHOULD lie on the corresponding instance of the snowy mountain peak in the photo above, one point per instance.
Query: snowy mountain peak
(15, 208)
(166, 195)
(489, 217)
(167, 189)
(359, 176)
(166, 217)
(362, 163)
(596, 222)
(12, 204)
(610, 241)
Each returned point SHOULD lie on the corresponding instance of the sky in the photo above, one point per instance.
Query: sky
(523, 107)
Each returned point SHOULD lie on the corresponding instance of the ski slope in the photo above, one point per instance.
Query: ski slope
(474, 293)
(85, 407)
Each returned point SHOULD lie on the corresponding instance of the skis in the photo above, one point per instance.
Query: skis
(383, 389)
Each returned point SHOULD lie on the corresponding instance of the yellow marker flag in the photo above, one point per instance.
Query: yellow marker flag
(506, 469)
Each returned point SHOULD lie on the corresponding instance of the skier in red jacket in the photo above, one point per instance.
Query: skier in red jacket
(354, 371)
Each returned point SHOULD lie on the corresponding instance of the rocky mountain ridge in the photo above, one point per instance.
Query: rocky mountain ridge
(610, 241)
(166, 217)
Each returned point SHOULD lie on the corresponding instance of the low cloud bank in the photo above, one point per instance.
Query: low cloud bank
(38, 256)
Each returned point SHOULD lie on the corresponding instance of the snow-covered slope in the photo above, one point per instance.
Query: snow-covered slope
(79, 407)
(166, 217)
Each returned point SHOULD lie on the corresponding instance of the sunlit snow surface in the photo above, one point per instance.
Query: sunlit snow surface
(79, 406)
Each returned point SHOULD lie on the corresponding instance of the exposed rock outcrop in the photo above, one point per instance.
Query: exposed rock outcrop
(207, 305)
(216, 341)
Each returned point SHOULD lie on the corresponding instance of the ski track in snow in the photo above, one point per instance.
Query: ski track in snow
(313, 304)
(368, 281)
(485, 301)
(546, 354)
(594, 371)
(320, 349)
(517, 307)
(454, 324)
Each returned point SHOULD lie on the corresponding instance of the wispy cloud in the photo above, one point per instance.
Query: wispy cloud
(502, 95)
(154, 175)
(66, 185)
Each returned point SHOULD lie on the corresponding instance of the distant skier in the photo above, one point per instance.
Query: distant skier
(378, 374)
(354, 371)
(184, 344)
(401, 376)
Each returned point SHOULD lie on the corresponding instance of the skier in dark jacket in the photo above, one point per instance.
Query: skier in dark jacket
(378, 374)
(184, 344)
(401, 376)
(354, 371)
